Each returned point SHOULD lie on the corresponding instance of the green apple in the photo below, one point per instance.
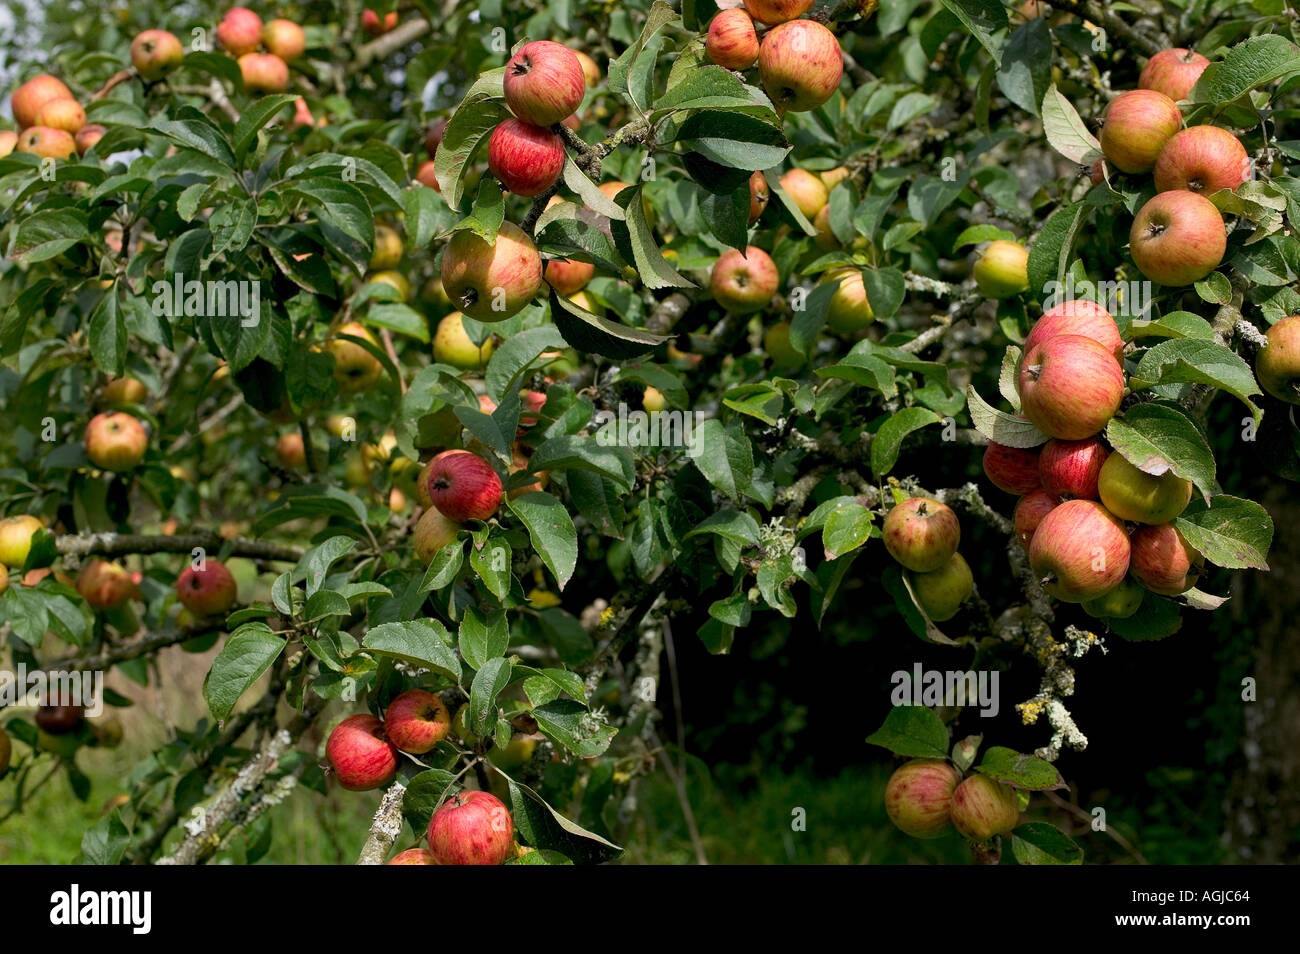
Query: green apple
(1002, 270)
(941, 592)
(776, 341)
(16, 539)
(1120, 603)
(1277, 366)
(850, 310)
(452, 345)
(1139, 497)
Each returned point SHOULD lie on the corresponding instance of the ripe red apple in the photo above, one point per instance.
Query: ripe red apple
(982, 808)
(47, 143)
(1173, 72)
(64, 113)
(918, 797)
(433, 531)
(1078, 317)
(491, 282)
(413, 856)
(207, 592)
(800, 64)
(362, 758)
(355, 368)
(240, 31)
(264, 73)
(60, 719)
(808, 191)
(115, 441)
(759, 195)
(416, 721)
(1178, 238)
(1070, 386)
(744, 282)
(567, 275)
(462, 485)
(527, 159)
(1002, 270)
(433, 137)
(285, 39)
(471, 828)
(105, 585)
(290, 450)
(942, 592)
(87, 136)
(1071, 468)
(1202, 159)
(155, 52)
(371, 24)
(1277, 365)
(922, 534)
(1134, 495)
(16, 539)
(1013, 469)
(732, 42)
(544, 82)
(427, 175)
(1079, 551)
(32, 95)
(1163, 561)
(1120, 603)
(772, 12)
(1097, 172)
(1029, 513)
(1136, 126)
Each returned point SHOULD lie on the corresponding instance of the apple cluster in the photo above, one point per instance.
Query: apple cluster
(241, 33)
(922, 534)
(51, 123)
(925, 797)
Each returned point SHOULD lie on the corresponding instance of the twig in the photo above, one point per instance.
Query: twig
(384, 827)
(397, 38)
(120, 544)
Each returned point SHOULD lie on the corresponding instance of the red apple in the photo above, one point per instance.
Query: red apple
(1133, 494)
(1173, 72)
(291, 451)
(744, 282)
(115, 441)
(567, 275)
(433, 531)
(1078, 317)
(264, 73)
(1013, 469)
(918, 797)
(427, 175)
(433, 137)
(1071, 468)
(64, 113)
(807, 191)
(371, 24)
(759, 195)
(9, 142)
(32, 95)
(772, 12)
(1137, 124)
(732, 42)
(1070, 386)
(207, 592)
(59, 719)
(1202, 159)
(240, 31)
(527, 159)
(46, 142)
(462, 485)
(416, 721)
(155, 52)
(800, 64)
(982, 808)
(413, 856)
(362, 758)
(471, 828)
(87, 136)
(285, 39)
(1079, 551)
(491, 282)
(1029, 513)
(1178, 238)
(1163, 561)
(922, 534)
(105, 585)
(1277, 365)
(544, 82)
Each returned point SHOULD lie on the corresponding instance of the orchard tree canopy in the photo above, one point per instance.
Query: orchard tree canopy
(440, 391)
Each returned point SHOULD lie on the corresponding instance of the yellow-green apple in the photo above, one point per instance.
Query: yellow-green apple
(941, 592)
(772, 12)
(652, 399)
(433, 531)
(16, 539)
(491, 282)
(290, 450)
(833, 177)
(527, 159)
(759, 195)
(1120, 603)
(62, 112)
(590, 71)
(514, 753)
(982, 808)
(584, 301)
(396, 279)
(413, 856)
(850, 309)
(360, 754)
(800, 64)
(115, 441)
(452, 345)
(433, 137)
(105, 585)
(918, 797)
(744, 282)
(1173, 72)
(4, 585)
(1079, 551)
(264, 73)
(427, 175)
(1029, 513)
(210, 591)
(1178, 238)
(732, 42)
(155, 52)
(1071, 468)
(240, 31)
(371, 23)
(1163, 561)
(416, 721)
(285, 39)
(125, 391)
(1078, 317)
(471, 828)
(1277, 365)
(387, 250)
(462, 485)
(544, 82)
(1201, 159)
(32, 95)
(1134, 495)
(922, 534)
(1013, 469)
(776, 342)
(807, 190)
(1136, 126)
(47, 143)
(1070, 386)
(8, 142)
(87, 136)
(355, 368)
(567, 275)
(1002, 269)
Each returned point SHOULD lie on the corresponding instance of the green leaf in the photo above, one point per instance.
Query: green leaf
(572, 725)
(1022, 771)
(483, 638)
(107, 334)
(1157, 437)
(424, 793)
(982, 18)
(1049, 256)
(199, 134)
(315, 563)
(106, 841)
(1248, 65)
(913, 731)
(1038, 843)
(1067, 133)
(423, 643)
(255, 117)
(550, 528)
(490, 680)
(1229, 531)
(724, 456)
(1026, 69)
(889, 439)
(248, 652)
(575, 452)
(1000, 426)
(47, 233)
(470, 125)
(1195, 361)
(515, 356)
(734, 525)
(847, 527)
(596, 335)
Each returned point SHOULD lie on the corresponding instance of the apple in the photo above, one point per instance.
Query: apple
(519, 464)
(125, 391)
(492, 282)
(471, 828)
(612, 190)
(452, 345)
(514, 754)
(355, 368)
(1012, 469)
(285, 39)
(544, 82)
(1201, 159)
(155, 52)
(759, 196)
(982, 808)
(1173, 72)
(1078, 317)
(105, 585)
(850, 309)
(825, 237)
(87, 136)
(264, 73)
(301, 115)
(387, 250)
(1071, 468)
(362, 758)
(1120, 603)
(807, 190)
(47, 143)
(800, 64)
(652, 400)
(833, 177)
(531, 404)
(1136, 126)
(60, 719)
(16, 539)
(1134, 495)
(433, 531)
(922, 534)
(744, 282)
(416, 721)
(1079, 551)
(32, 95)
(1277, 365)
(527, 159)
(433, 137)
(584, 301)
(732, 42)
(413, 856)
(776, 342)
(1002, 270)
(918, 797)
(291, 451)
(1178, 238)
(1070, 386)
(64, 113)
(772, 12)
(395, 279)
(1029, 513)
(115, 441)
(941, 592)
(4, 578)
(9, 142)
(590, 71)
(427, 175)
(371, 24)
(6, 750)
(567, 275)
(207, 592)
(1163, 561)
(462, 485)
(240, 31)
(1097, 172)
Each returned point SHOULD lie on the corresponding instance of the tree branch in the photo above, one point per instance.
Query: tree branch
(120, 544)
(384, 827)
